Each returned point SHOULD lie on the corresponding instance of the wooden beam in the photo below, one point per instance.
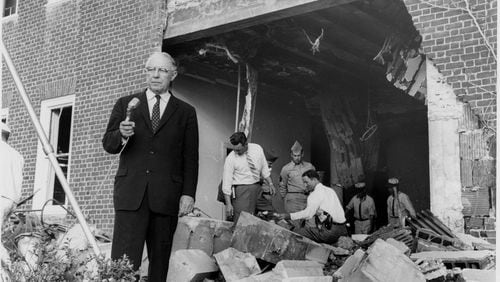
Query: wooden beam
(193, 19)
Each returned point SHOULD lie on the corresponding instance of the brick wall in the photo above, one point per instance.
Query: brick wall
(453, 41)
(95, 50)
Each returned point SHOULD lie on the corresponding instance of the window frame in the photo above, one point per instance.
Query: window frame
(4, 113)
(44, 173)
(11, 16)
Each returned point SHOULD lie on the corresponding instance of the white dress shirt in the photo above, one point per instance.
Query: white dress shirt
(164, 98)
(11, 173)
(237, 171)
(325, 199)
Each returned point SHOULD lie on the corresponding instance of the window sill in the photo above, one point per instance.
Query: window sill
(10, 18)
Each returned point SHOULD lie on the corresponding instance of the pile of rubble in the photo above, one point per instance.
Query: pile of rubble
(256, 250)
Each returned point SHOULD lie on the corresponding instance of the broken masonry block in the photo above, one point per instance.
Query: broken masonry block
(309, 279)
(346, 243)
(298, 268)
(387, 263)
(347, 269)
(207, 234)
(236, 265)
(382, 262)
(432, 269)
(269, 276)
(272, 243)
(359, 237)
(399, 245)
(473, 275)
(461, 259)
(191, 265)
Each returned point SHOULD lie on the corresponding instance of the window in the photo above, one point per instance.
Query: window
(4, 115)
(10, 8)
(56, 117)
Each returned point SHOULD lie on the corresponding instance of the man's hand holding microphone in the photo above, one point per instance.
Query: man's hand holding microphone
(127, 126)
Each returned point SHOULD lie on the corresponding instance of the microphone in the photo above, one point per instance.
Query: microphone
(131, 106)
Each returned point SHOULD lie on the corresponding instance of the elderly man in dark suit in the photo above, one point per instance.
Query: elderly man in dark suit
(158, 170)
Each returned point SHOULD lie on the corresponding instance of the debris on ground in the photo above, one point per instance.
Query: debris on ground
(425, 250)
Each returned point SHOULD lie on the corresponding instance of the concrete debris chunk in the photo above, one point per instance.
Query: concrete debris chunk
(207, 234)
(346, 243)
(359, 237)
(382, 262)
(432, 269)
(269, 276)
(350, 265)
(399, 245)
(475, 243)
(298, 268)
(191, 265)
(236, 265)
(463, 259)
(400, 234)
(478, 275)
(309, 279)
(270, 242)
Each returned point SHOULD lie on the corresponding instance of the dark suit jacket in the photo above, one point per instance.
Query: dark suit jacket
(165, 161)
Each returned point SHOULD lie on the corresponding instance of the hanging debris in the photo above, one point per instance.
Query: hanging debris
(315, 43)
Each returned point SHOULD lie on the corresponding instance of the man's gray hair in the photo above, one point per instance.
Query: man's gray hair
(166, 55)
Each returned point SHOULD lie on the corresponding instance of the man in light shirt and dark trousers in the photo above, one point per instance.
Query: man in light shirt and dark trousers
(324, 205)
(241, 182)
(364, 210)
(399, 206)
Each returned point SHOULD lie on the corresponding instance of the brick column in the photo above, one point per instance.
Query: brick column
(443, 113)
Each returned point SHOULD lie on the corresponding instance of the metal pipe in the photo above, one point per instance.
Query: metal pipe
(49, 151)
(238, 100)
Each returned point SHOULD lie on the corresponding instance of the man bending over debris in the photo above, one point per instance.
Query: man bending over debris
(398, 207)
(324, 205)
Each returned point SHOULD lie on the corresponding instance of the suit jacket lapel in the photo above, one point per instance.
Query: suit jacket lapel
(145, 110)
(172, 106)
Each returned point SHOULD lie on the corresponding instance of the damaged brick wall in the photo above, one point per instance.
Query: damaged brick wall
(453, 41)
(460, 39)
(101, 44)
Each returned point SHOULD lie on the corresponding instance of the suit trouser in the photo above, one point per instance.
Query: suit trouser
(362, 226)
(245, 199)
(323, 235)
(133, 228)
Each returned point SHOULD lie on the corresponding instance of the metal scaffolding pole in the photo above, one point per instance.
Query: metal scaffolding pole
(47, 148)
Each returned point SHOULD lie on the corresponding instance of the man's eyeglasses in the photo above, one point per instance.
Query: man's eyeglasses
(152, 70)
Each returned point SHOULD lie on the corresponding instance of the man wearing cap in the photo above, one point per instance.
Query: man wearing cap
(241, 182)
(398, 204)
(364, 210)
(323, 205)
(292, 186)
(11, 176)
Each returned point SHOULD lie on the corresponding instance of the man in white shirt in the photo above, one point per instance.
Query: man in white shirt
(323, 204)
(11, 177)
(243, 169)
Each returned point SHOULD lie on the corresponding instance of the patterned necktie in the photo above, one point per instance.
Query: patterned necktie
(155, 117)
(393, 207)
(359, 209)
(253, 168)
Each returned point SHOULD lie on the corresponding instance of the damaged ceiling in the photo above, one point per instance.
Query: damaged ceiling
(307, 53)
